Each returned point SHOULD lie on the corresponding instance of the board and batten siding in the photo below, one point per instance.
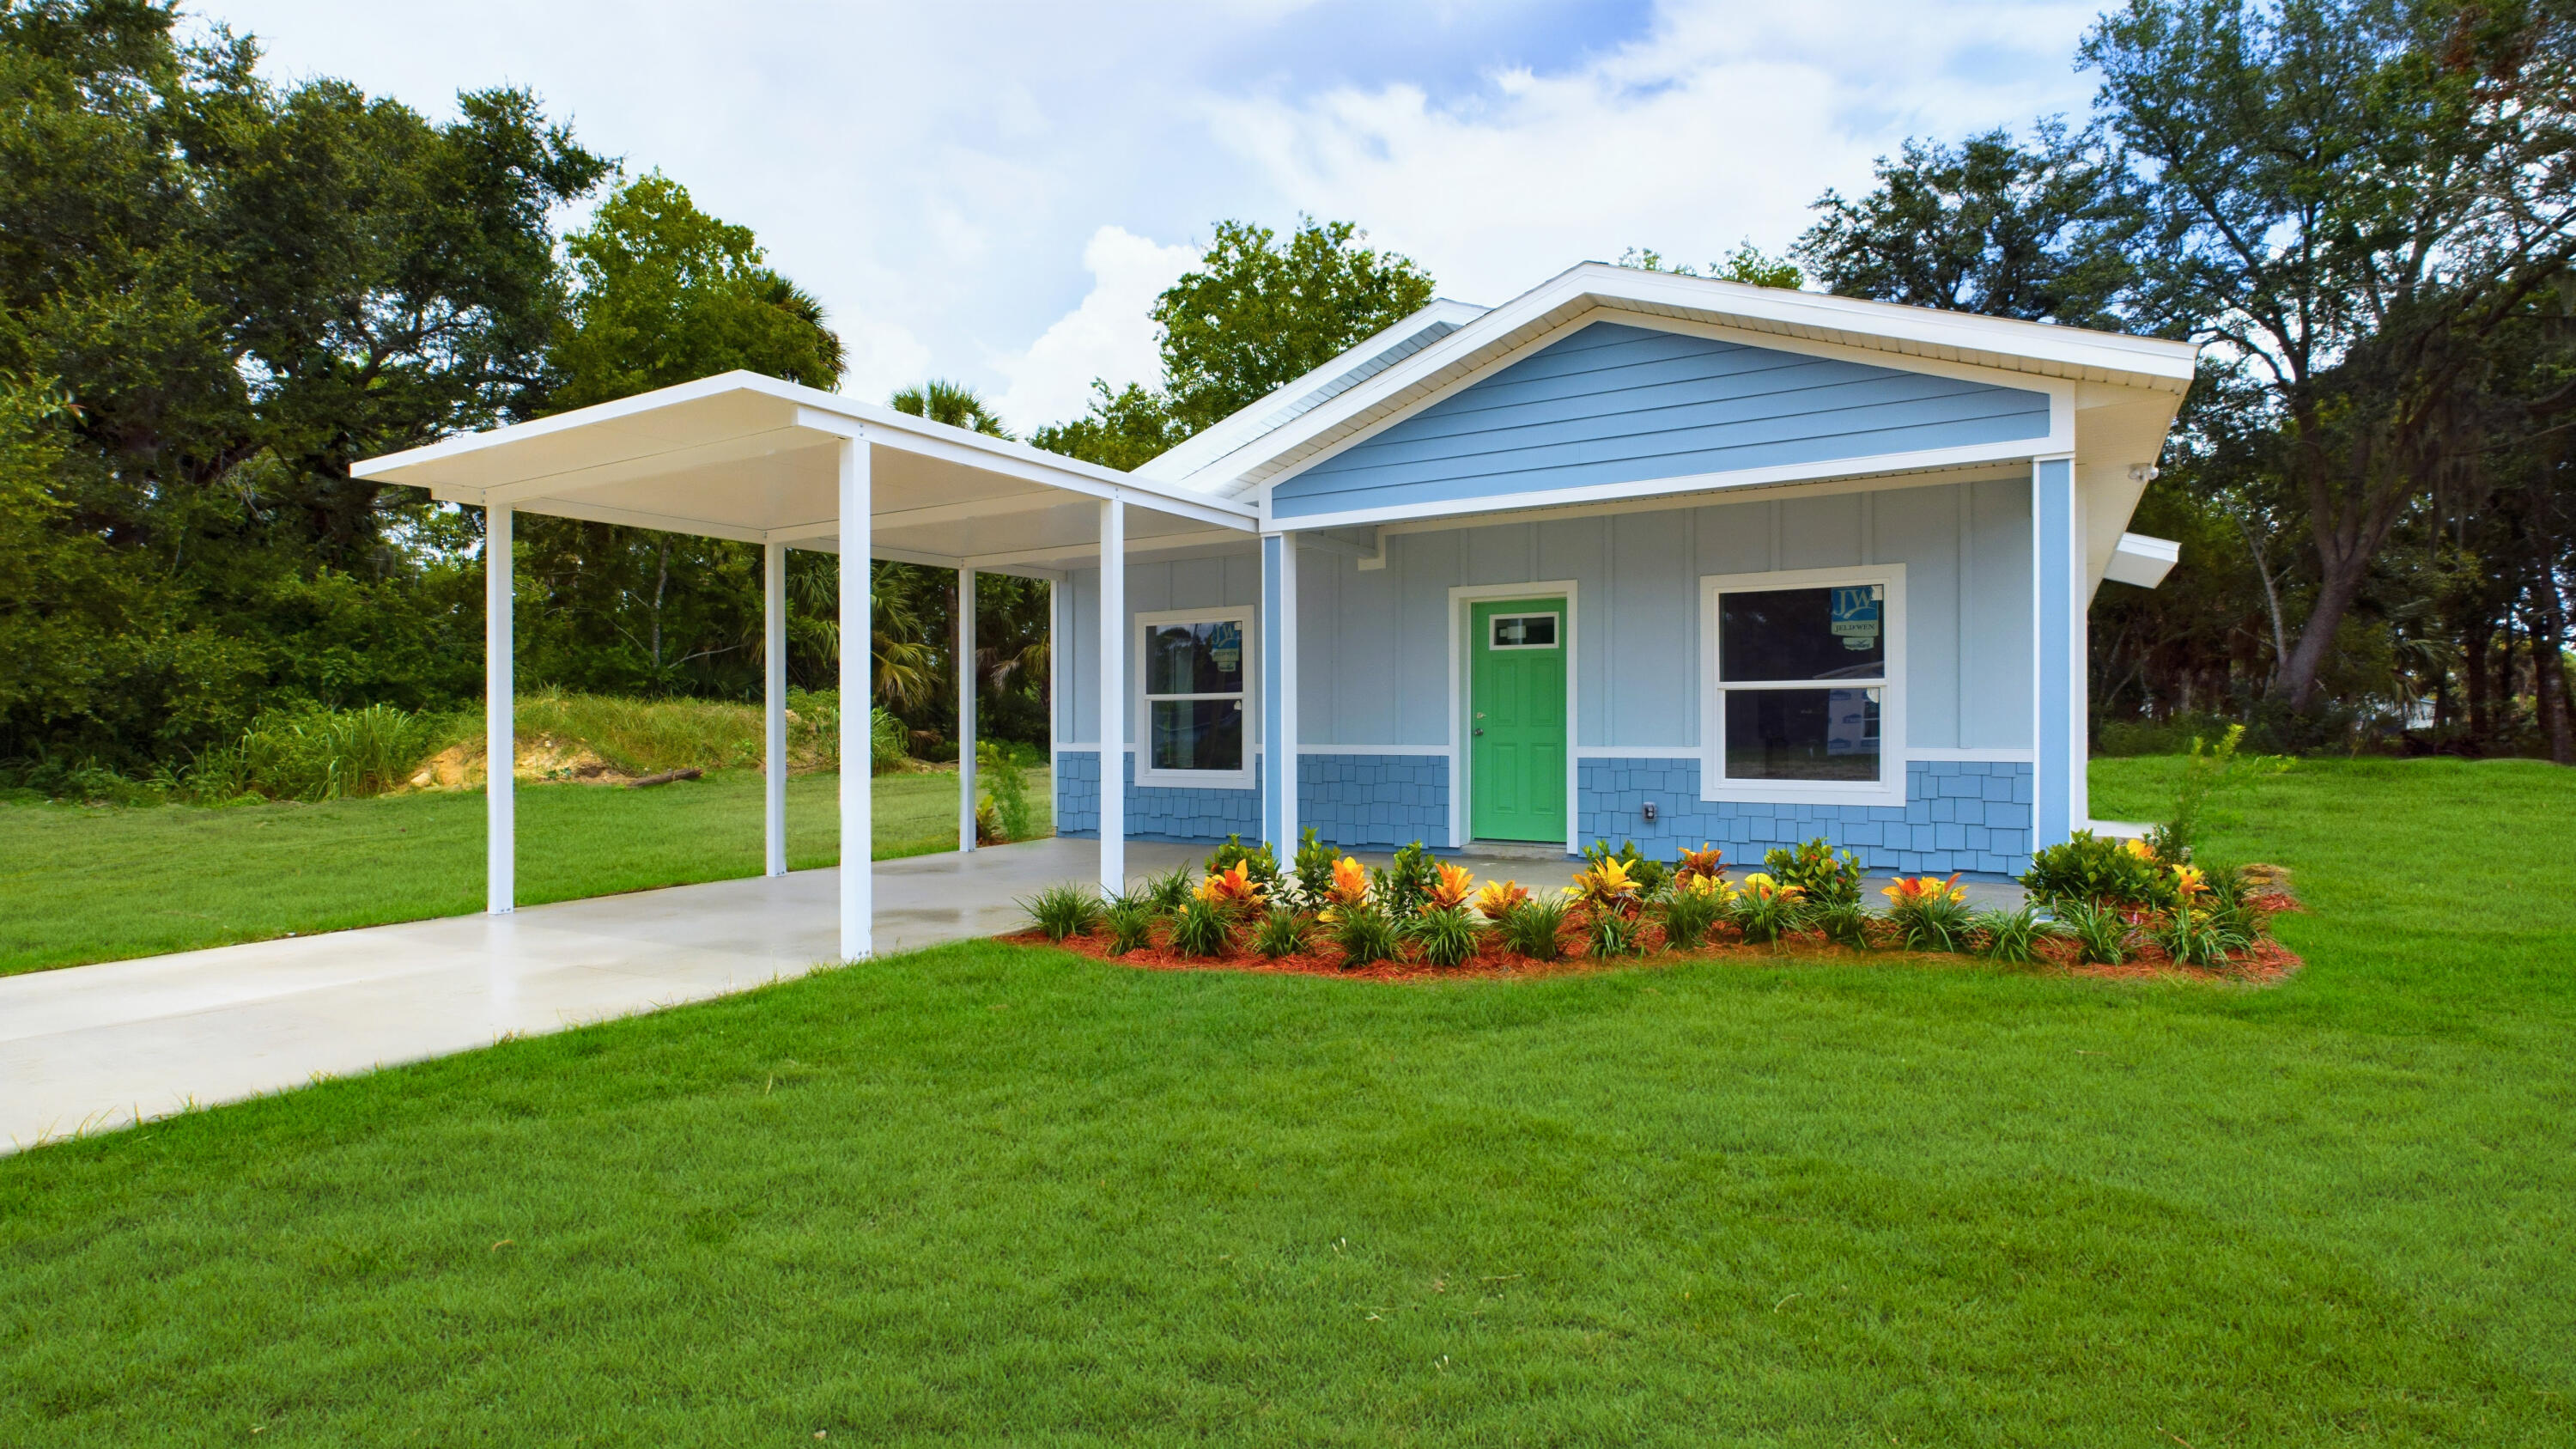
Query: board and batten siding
(1230, 581)
(1373, 644)
(1614, 403)
(1373, 657)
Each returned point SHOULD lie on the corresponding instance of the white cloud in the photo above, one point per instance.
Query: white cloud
(1107, 337)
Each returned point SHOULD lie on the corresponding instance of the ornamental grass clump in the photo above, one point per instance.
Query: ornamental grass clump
(2101, 933)
(1845, 923)
(1063, 910)
(1931, 915)
(1129, 918)
(1826, 877)
(1366, 936)
(2013, 936)
(1531, 929)
(2198, 938)
(1282, 932)
(1765, 910)
(1611, 934)
(1202, 928)
(1443, 936)
(1693, 909)
(1168, 890)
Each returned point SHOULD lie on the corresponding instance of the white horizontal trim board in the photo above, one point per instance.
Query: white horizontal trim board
(1930, 754)
(1375, 750)
(2015, 450)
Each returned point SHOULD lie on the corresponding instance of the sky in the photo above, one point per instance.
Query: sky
(995, 193)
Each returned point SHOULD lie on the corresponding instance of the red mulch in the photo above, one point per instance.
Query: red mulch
(2266, 963)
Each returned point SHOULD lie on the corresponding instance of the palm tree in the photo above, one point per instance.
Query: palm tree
(953, 403)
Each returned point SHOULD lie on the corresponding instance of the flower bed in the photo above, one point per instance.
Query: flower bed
(1328, 915)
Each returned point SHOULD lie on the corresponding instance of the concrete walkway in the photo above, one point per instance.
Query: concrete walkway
(89, 1048)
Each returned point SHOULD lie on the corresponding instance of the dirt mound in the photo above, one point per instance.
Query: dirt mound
(543, 759)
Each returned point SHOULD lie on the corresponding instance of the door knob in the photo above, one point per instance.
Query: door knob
(1480, 729)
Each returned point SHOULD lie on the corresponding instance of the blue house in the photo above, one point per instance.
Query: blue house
(1636, 557)
(1633, 556)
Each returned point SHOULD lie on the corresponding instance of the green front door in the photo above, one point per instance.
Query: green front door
(1516, 719)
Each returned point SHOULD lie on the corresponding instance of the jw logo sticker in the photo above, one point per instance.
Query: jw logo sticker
(1856, 611)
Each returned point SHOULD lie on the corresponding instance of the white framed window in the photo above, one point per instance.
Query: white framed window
(1194, 676)
(1538, 630)
(1805, 672)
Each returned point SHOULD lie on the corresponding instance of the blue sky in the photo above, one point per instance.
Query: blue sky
(995, 192)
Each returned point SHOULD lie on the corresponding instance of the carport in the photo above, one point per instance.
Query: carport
(747, 457)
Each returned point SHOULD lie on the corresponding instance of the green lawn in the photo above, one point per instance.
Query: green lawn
(83, 883)
(989, 1194)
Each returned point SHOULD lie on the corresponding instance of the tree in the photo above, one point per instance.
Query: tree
(1257, 313)
(1991, 225)
(241, 288)
(2349, 198)
(953, 403)
(1748, 264)
(668, 294)
(664, 294)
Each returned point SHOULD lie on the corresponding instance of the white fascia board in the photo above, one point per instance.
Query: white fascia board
(1920, 333)
(1246, 424)
(830, 413)
(1885, 464)
(2142, 560)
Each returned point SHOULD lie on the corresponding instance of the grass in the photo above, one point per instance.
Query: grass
(88, 883)
(990, 1193)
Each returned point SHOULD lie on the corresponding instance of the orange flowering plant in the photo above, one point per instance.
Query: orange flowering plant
(1500, 898)
(1706, 862)
(1450, 886)
(1919, 890)
(1606, 886)
(1232, 889)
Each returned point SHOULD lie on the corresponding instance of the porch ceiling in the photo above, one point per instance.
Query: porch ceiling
(751, 458)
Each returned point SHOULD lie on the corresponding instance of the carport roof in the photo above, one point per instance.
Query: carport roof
(748, 457)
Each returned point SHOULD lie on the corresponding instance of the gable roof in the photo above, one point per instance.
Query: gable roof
(1321, 412)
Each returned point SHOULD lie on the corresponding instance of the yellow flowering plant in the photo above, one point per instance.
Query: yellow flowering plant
(1500, 898)
(1450, 886)
(1606, 886)
(1708, 862)
(1232, 889)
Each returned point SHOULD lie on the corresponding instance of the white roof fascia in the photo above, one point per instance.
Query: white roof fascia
(882, 425)
(2006, 344)
(1248, 423)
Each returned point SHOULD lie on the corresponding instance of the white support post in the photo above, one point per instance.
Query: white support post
(1113, 694)
(858, 698)
(965, 709)
(500, 737)
(2057, 636)
(773, 759)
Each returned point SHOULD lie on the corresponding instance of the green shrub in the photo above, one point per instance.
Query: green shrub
(1845, 923)
(2093, 868)
(1829, 877)
(1314, 871)
(1130, 919)
(1407, 881)
(1365, 935)
(1531, 929)
(1063, 910)
(1283, 932)
(1002, 809)
(1688, 917)
(1443, 936)
(318, 754)
(1611, 934)
(2101, 932)
(2013, 936)
(1199, 928)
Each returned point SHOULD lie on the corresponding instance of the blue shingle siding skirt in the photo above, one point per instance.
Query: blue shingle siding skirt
(1350, 800)
(1962, 815)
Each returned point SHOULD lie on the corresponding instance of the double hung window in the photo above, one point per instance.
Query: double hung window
(1804, 688)
(1195, 677)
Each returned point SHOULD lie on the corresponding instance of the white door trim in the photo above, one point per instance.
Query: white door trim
(1462, 768)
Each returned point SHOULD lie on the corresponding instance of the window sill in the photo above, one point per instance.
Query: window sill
(1194, 779)
(1880, 793)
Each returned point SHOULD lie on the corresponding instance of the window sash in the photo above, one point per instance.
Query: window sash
(1147, 627)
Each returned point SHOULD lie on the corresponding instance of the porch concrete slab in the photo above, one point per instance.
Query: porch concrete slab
(88, 1048)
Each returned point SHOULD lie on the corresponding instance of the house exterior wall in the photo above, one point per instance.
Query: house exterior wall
(1613, 403)
(1377, 762)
